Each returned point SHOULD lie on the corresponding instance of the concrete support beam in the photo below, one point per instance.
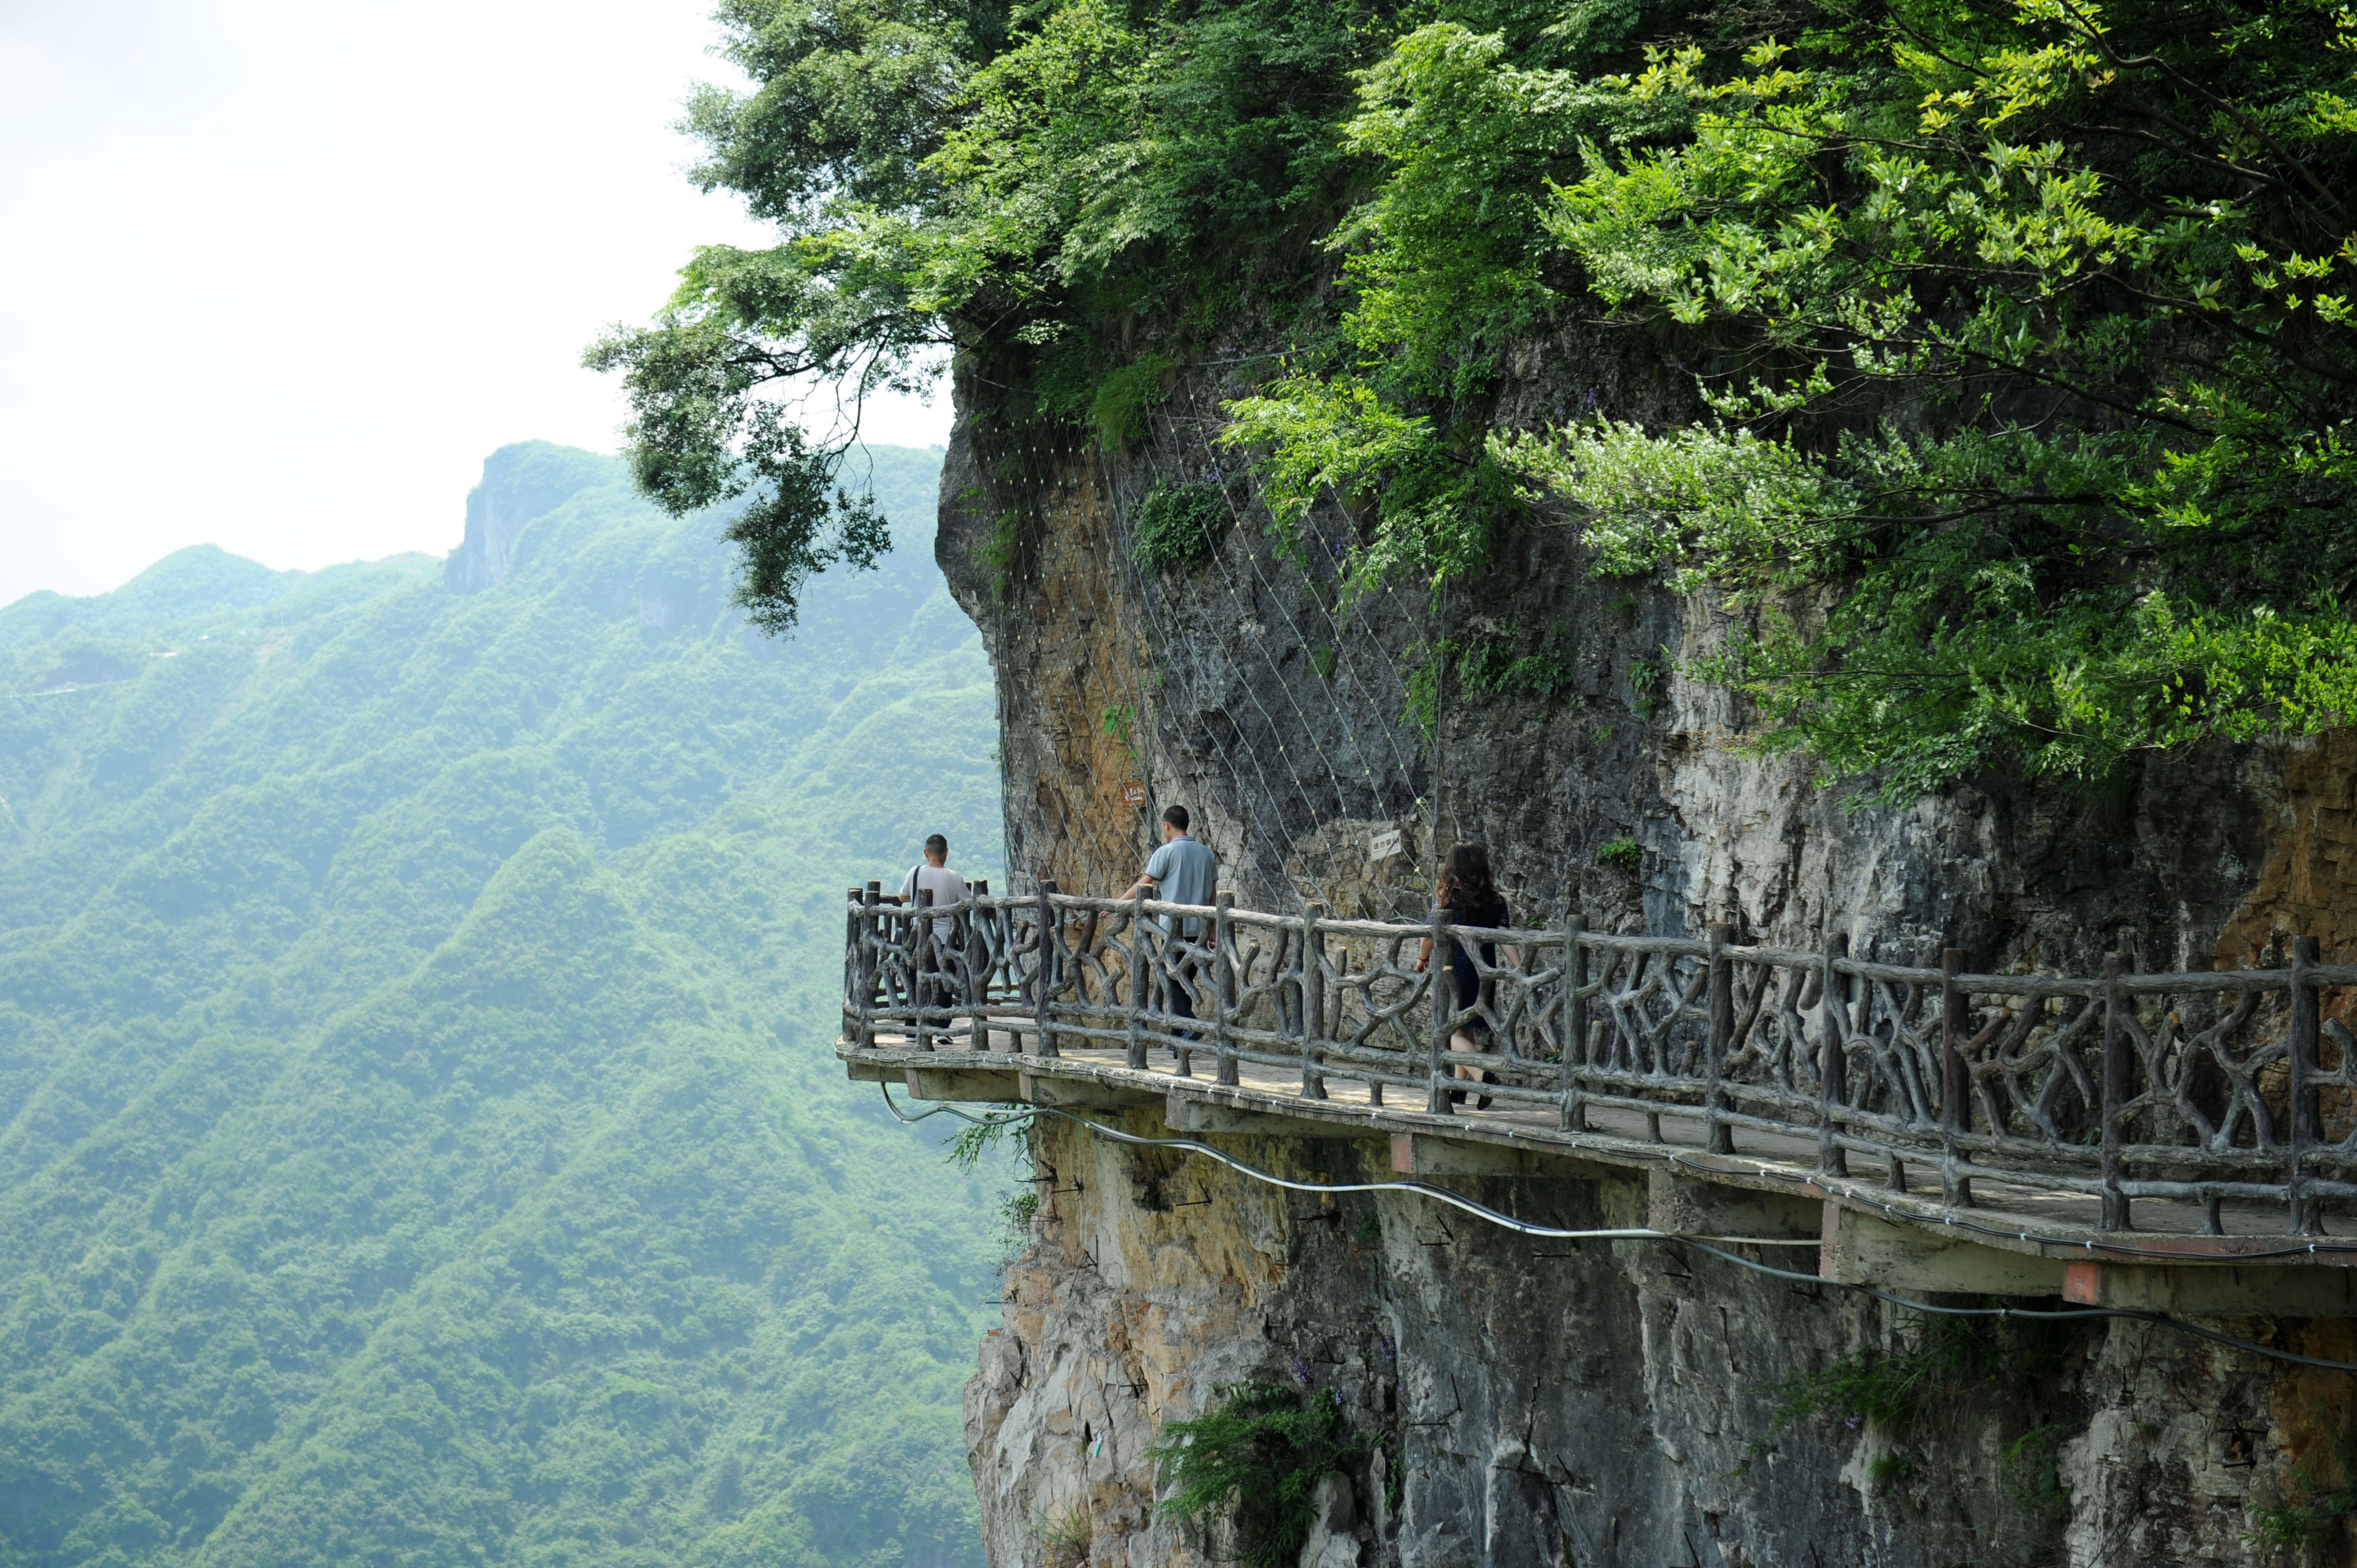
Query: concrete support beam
(2214, 1291)
(875, 1072)
(1677, 1201)
(1858, 1249)
(1421, 1153)
(997, 1085)
(1185, 1113)
(1082, 1093)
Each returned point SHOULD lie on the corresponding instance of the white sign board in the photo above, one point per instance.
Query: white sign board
(1383, 845)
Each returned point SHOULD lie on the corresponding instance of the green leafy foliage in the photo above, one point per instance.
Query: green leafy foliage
(980, 1144)
(1022, 184)
(1503, 662)
(2017, 338)
(1255, 1457)
(1938, 1377)
(2323, 1495)
(1623, 854)
(1940, 1359)
(2023, 327)
(419, 1139)
(2033, 1475)
(1510, 662)
(1466, 116)
(1178, 527)
(700, 436)
(1064, 1538)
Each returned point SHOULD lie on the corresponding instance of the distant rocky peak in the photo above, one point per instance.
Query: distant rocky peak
(521, 483)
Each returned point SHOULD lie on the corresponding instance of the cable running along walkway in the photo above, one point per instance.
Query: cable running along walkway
(1714, 1245)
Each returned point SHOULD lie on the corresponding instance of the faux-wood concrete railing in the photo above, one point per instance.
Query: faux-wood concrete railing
(2231, 1086)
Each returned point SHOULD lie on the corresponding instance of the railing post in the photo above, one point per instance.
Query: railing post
(1178, 976)
(2114, 1215)
(872, 963)
(854, 970)
(921, 949)
(1141, 984)
(1721, 996)
(1050, 971)
(976, 974)
(1440, 974)
(1574, 1115)
(868, 962)
(1222, 986)
(1313, 1002)
(1955, 1082)
(2302, 1134)
(1833, 1057)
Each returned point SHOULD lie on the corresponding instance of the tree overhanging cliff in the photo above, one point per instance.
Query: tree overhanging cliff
(2011, 344)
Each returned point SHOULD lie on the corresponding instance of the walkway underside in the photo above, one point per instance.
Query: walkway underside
(1871, 1227)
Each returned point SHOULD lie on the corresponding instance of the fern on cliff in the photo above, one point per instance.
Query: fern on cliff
(1255, 1457)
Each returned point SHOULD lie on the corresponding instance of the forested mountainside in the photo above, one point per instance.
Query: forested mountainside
(417, 1139)
(1593, 429)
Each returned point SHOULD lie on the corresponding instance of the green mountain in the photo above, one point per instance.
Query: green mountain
(418, 1142)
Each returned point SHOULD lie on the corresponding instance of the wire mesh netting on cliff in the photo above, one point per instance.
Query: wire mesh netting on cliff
(1289, 759)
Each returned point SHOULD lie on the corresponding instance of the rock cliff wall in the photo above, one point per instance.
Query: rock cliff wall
(1591, 1403)
(1249, 690)
(1553, 1405)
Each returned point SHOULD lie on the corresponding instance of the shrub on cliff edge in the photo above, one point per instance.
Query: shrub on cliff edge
(1256, 1457)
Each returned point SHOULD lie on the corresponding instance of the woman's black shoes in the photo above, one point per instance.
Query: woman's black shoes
(1456, 1096)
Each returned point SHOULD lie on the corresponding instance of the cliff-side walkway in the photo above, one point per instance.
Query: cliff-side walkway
(1931, 1127)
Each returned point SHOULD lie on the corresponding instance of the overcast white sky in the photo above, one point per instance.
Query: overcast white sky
(277, 275)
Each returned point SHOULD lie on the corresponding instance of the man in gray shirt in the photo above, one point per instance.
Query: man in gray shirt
(935, 875)
(1183, 870)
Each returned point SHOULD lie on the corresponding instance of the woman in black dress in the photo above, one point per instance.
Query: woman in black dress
(1470, 897)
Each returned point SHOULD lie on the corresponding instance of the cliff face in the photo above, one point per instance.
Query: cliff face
(1545, 1404)
(1577, 1403)
(520, 482)
(1247, 690)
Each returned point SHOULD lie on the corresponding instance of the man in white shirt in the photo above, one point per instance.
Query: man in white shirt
(935, 876)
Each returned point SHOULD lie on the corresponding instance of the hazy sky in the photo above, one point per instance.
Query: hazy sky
(277, 275)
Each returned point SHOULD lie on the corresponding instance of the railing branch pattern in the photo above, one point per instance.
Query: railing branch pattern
(2234, 1086)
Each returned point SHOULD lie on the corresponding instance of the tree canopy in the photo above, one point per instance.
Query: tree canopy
(2014, 340)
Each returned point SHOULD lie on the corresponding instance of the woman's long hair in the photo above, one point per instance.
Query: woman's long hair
(1466, 885)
